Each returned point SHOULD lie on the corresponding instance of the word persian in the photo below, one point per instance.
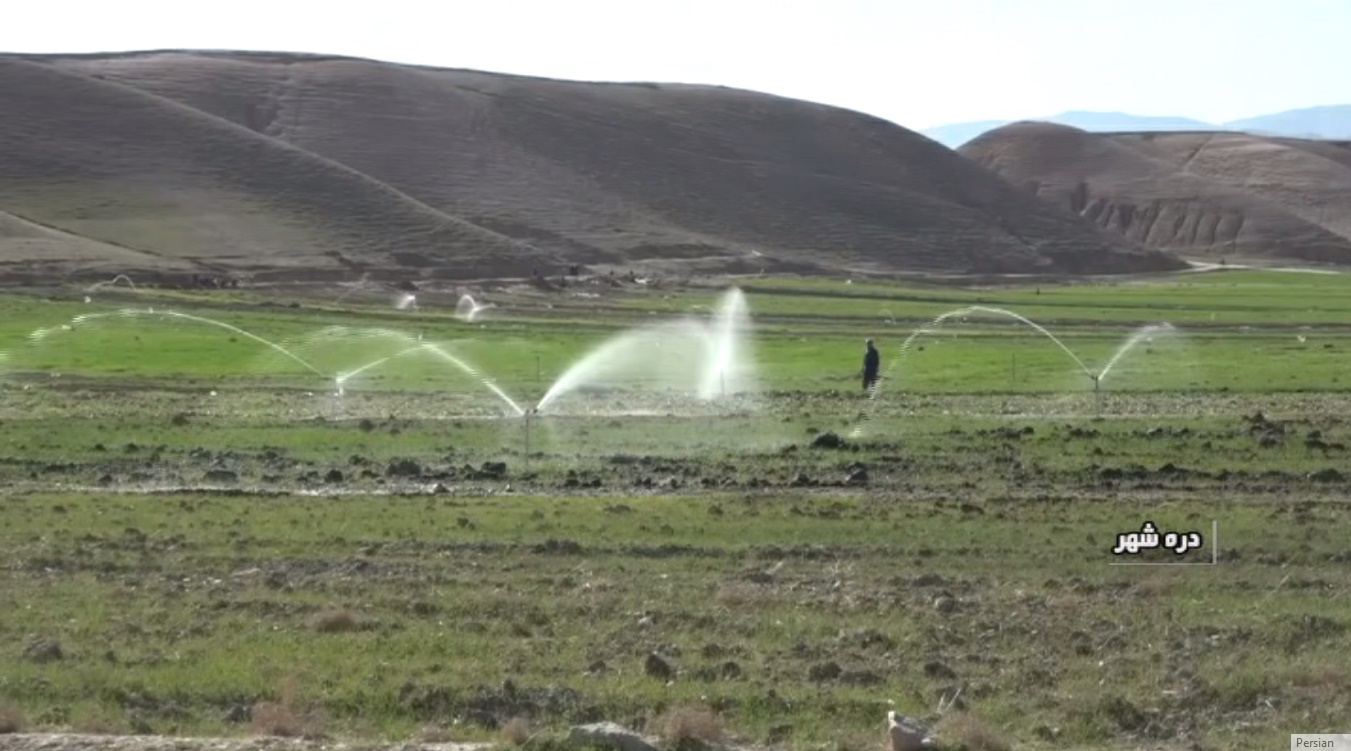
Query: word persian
(1148, 538)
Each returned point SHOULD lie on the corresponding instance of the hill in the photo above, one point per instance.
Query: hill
(1333, 122)
(307, 166)
(168, 187)
(956, 134)
(1223, 194)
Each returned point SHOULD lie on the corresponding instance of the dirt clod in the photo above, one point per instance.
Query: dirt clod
(939, 669)
(658, 667)
(825, 671)
(403, 468)
(828, 440)
(43, 650)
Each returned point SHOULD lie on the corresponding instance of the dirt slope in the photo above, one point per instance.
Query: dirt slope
(249, 161)
(1309, 179)
(1217, 193)
(119, 166)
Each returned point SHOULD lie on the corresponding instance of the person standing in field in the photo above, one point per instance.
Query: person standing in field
(872, 363)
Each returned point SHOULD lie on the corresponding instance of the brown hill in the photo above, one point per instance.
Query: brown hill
(179, 188)
(1195, 193)
(310, 166)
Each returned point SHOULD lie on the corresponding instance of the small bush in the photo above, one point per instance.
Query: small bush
(273, 718)
(286, 718)
(740, 595)
(434, 734)
(1333, 677)
(338, 622)
(691, 728)
(856, 741)
(99, 720)
(99, 726)
(11, 719)
(516, 731)
(1157, 587)
(969, 732)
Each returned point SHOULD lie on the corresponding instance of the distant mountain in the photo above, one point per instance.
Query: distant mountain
(1221, 194)
(1332, 122)
(311, 167)
(1123, 122)
(956, 134)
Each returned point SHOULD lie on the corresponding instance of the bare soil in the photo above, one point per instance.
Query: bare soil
(1212, 195)
(282, 167)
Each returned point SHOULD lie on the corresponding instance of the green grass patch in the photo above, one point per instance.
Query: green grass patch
(807, 612)
(200, 535)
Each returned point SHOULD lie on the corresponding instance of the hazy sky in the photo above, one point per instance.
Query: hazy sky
(915, 62)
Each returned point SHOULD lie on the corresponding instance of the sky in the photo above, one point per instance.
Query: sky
(918, 63)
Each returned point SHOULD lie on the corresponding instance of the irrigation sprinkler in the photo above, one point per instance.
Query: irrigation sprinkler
(528, 415)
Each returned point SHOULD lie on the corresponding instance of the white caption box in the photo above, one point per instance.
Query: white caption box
(1327, 741)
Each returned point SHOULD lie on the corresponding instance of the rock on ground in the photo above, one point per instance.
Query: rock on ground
(609, 735)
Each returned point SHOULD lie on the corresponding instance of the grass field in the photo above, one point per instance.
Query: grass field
(195, 524)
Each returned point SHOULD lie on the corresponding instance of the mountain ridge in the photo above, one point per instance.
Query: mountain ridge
(314, 165)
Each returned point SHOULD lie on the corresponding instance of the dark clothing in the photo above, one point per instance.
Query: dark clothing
(872, 361)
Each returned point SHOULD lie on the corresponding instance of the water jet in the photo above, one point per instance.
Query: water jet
(709, 359)
(1142, 334)
(467, 309)
(110, 283)
(408, 345)
(39, 335)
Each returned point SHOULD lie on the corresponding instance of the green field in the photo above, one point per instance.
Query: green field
(203, 524)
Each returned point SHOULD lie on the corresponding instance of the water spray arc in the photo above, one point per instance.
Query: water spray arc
(710, 359)
(96, 286)
(414, 346)
(467, 309)
(339, 381)
(1143, 334)
(472, 371)
(41, 334)
(1095, 377)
